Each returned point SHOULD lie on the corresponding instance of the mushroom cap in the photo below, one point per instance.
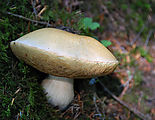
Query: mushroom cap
(64, 54)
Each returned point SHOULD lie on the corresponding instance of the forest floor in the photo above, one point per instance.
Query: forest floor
(127, 26)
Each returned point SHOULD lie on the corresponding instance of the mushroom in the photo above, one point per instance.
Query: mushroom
(64, 56)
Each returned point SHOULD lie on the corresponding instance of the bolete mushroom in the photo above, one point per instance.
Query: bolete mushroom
(64, 56)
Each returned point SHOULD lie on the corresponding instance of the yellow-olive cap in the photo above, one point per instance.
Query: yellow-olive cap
(61, 53)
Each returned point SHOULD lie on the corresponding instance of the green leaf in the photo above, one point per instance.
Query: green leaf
(106, 43)
(87, 23)
(94, 26)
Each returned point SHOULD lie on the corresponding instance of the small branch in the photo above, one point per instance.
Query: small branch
(126, 85)
(103, 105)
(28, 19)
(140, 99)
(136, 112)
(138, 35)
(33, 2)
(39, 14)
(130, 76)
(107, 12)
(97, 109)
(148, 37)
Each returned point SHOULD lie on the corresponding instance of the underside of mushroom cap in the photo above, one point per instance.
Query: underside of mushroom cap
(60, 53)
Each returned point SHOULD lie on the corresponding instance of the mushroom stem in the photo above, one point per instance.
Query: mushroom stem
(59, 90)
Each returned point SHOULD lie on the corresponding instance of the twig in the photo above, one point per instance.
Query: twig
(33, 2)
(107, 12)
(75, 3)
(140, 99)
(103, 105)
(17, 90)
(28, 19)
(130, 76)
(136, 112)
(148, 37)
(13, 99)
(76, 115)
(39, 14)
(97, 109)
(126, 84)
(138, 35)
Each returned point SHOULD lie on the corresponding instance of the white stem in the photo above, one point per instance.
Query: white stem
(59, 90)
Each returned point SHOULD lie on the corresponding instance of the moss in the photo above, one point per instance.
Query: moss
(21, 95)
